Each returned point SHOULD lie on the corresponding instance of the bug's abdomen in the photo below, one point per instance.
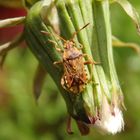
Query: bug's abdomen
(73, 83)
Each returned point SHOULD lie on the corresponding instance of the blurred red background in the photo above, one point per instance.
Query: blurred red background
(7, 34)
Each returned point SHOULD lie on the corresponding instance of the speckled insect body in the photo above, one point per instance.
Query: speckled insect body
(75, 76)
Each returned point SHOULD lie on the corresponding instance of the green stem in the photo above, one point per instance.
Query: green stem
(104, 39)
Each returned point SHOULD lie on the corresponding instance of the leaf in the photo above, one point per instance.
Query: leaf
(10, 45)
(130, 11)
(39, 80)
(118, 43)
(11, 22)
(2, 60)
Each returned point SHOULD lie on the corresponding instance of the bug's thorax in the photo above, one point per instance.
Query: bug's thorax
(70, 51)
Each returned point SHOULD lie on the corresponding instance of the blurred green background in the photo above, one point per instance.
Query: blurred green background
(22, 119)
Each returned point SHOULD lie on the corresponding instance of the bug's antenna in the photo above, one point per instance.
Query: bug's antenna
(47, 33)
(76, 32)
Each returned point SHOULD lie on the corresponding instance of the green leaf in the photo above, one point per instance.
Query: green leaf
(39, 78)
(121, 44)
(11, 22)
(10, 45)
(130, 11)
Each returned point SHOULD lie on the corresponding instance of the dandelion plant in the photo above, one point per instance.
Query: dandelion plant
(101, 103)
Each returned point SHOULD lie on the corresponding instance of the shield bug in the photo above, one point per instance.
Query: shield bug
(75, 76)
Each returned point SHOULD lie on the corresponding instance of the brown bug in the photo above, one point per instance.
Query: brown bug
(75, 77)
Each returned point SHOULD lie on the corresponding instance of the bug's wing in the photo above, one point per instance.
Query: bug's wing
(68, 78)
(80, 70)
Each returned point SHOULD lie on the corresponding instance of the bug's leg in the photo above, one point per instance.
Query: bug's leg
(96, 63)
(57, 62)
(55, 44)
(94, 83)
(90, 60)
(81, 46)
(58, 49)
(69, 131)
(90, 80)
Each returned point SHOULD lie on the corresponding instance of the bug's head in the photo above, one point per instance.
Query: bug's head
(69, 44)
